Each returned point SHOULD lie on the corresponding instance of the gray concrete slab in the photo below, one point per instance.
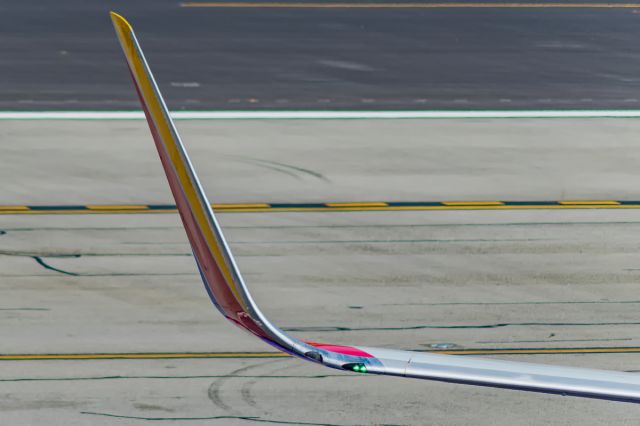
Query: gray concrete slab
(468, 281)
(283, 391)
(84, 162)
(89, 284)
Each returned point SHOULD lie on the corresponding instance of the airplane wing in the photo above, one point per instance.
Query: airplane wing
(231, 296)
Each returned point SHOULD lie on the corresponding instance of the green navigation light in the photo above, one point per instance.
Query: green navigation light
(357, 367)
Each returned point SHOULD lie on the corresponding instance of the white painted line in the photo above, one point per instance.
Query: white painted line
(315, 115)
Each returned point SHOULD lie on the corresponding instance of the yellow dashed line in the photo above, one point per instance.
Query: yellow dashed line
(588, 202)
(117, 207)
(2, 212)
(442, 208)
(326, 207)
(13, 208)
(62, 212)
(36, 357)
(227, 355)
(371, 204)
(240, 206)
(473, 203)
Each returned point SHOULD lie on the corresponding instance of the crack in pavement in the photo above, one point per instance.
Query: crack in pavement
(40, 260)
(329, 329)
(115, 274)
(566, 302)
(248, 418)
(186, 254)
(45, 265)
(213, 376)
(88, 254)
(24, 309)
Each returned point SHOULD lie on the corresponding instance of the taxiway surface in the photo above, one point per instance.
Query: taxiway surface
(553, 285)
(261, 57)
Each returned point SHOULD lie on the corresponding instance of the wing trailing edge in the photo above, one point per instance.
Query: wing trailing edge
(230, 295)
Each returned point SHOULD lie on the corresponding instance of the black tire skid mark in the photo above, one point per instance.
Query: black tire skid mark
(215, 389)
(288, 169)
(246, 389)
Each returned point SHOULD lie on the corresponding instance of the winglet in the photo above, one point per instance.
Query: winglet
(215, 261)
(217, 267)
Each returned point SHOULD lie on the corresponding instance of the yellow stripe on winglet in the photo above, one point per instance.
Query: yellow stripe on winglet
(162, 123)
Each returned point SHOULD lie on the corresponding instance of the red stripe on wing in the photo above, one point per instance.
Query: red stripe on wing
(345, 350)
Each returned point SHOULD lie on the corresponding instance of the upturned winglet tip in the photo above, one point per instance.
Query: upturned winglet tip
(119, 21)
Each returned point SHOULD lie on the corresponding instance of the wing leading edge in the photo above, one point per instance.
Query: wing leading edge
(230, 295)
